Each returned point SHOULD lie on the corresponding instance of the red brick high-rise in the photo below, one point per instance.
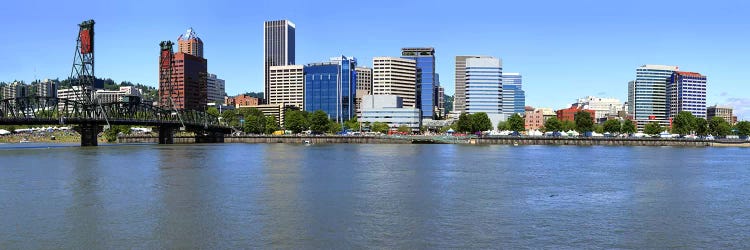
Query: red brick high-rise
(189, 82)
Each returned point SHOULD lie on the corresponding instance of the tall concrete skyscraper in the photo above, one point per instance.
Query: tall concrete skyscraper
(514, 98)
(459, 98)
(686, 91)
(364, 86)
(650, 94)
(190, 43)
(426, 84)
(278, 47)
(631, 97)
(484, 85)
(395, 76)
(364, 80)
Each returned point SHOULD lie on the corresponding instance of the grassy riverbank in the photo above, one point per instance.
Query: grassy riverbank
(60, 137)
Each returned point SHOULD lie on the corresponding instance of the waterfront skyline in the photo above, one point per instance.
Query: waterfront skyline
(564, 50)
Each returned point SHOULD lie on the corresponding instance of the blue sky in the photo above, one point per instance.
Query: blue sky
(564, 49)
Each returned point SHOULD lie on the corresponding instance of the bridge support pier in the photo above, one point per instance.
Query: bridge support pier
(89, 134)
(166, 135)
(209, 137)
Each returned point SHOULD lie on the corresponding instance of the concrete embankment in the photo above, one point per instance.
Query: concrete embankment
(453, 140)
(594, 141)
(279, 139)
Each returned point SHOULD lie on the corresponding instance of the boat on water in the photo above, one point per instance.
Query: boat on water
(307, 142)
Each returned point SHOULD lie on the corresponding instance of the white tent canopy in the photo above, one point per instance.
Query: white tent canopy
(572, 133)
(535, 133)
(4, 132)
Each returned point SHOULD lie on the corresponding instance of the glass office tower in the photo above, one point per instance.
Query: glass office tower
(514, 98)
(331, 87)
(426, 84)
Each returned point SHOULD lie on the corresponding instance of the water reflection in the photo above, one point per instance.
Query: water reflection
(230, 196)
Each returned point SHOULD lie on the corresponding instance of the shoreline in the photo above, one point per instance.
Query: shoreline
(454, 140)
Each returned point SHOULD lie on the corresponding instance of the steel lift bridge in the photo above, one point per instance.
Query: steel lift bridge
(89, 116)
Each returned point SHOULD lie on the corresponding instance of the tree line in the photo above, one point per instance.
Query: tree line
(686, 123)
(253, 121)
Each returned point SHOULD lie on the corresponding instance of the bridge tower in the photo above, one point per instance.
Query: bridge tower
(166, 90)
(84, 83)
(82, 73)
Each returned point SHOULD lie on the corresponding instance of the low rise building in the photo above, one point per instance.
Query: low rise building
(275, 110)
(569, 113)
(46, 88)
(389, 109)
(241, 100)
(124, 94)
(720, 111)
(15, 90)
(535, 117)
(603, 107)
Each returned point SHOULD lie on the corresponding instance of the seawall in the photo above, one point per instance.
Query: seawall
(593, 141)
(277, 139)
(453, 140)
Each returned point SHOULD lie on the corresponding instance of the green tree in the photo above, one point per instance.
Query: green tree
(111, 134)
(612, 126)
(516, 123)
(719, 127)
(464, 123)
(628, 127)
(352, 124)
(229, 117)
(743, 128)
(254, 124)
(404, 129)
(213, 111)
(568, 125)
(553, 125)
(480, 122)
(319, 121)
(379, 127)
(701, 127)
(296, 121)
(271, 124)
(334, 127)
(598, 128)
(584, 122)
(683, 123)
(502, 126)
(653, 129)
(445, 129)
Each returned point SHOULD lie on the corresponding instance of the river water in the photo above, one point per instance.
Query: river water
(229, 196)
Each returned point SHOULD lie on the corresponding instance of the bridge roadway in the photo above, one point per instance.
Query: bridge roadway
(89, 120)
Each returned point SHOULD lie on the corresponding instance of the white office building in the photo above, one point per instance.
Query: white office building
(287, 85)
(484, 87)
(215, 88)
(603, 106)
(395, 76)
(389, 109)
(124, 94)
(649, 94)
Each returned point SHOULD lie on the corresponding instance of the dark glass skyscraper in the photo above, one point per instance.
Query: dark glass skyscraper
(514, 98)
(426, 79)
(332, 87)
(278, 47)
